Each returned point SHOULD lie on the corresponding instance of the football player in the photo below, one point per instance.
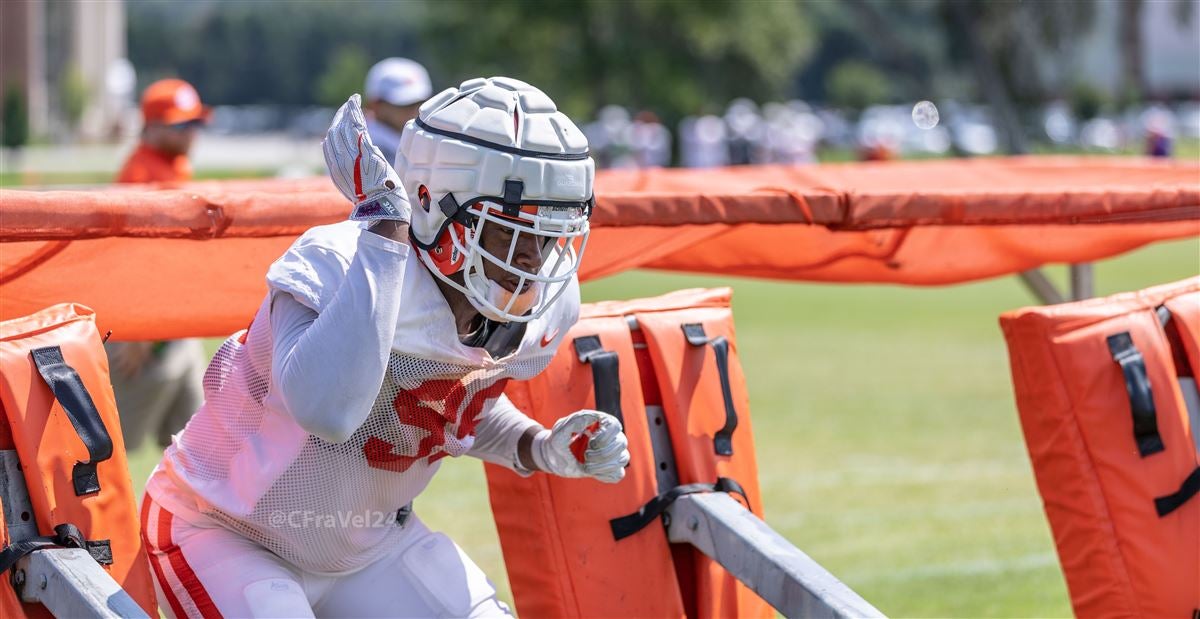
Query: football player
(384, 345)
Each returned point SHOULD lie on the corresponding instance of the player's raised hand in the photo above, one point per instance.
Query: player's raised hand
(584, 444)
(360, 171)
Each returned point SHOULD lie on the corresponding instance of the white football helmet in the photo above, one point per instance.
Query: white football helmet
(497, 152)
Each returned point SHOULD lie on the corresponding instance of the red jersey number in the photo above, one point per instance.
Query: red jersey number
(435, 407)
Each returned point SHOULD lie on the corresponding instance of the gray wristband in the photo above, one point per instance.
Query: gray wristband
(385, 206)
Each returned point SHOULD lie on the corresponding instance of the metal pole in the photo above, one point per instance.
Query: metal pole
(1082, 281)
(1041, 287)
(69, 583)
(762, 559)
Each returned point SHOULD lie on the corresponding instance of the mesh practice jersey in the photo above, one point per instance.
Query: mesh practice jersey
(245, 461)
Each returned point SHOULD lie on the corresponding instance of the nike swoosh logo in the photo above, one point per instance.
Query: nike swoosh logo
(549, 337)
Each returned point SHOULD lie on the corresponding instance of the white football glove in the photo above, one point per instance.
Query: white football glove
(360, 171)
(583, 444)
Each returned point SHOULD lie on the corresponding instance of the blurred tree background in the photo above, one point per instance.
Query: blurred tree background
(14, 123)
(270, 52)
(673, 57)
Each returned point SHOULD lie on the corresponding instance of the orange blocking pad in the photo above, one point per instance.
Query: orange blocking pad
(577, 568)
(558, 546)
(189, 261)
(1100, 389)
(53, 456)
(695, 406)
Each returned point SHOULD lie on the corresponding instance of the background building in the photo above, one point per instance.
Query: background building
(67, 61)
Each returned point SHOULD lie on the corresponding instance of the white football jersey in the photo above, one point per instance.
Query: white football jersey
(327, 507)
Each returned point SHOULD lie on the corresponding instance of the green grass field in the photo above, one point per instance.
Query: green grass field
(887, 437)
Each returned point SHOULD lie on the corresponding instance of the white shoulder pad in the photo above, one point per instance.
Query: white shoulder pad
(313, 267)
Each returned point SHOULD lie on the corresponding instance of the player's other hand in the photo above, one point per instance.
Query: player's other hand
(360, 171)
(584, 444)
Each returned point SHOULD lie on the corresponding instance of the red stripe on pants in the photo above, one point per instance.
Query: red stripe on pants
(156, 557)
(165, 548)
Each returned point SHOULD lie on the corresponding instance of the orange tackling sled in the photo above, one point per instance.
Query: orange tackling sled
(603, 551)
(1104, 388)
(60, 416)
(189, 262)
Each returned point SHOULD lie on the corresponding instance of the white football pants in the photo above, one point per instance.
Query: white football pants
(211, 571)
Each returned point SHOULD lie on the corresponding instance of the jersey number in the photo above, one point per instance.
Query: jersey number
(418, 408)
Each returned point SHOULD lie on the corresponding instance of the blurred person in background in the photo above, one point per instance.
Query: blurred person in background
(171, 116)
(1159, 129)
(790, 135)
(395, 90)
(608, 136)
(876, 150)
(746, 132)
(702, 142)
(878, 140)
(649, 141)
(158, 384)
(1158, 144)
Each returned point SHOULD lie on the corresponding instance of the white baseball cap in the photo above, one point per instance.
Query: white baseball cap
(398, 81)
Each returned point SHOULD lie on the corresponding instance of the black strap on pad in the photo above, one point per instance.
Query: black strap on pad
(606, 377)
(1137, 385)
(65, 536)
(628, 525)
(1188, 489)
(71, 393)
(723, 439)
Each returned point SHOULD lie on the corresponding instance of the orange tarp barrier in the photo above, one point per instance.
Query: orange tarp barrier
(191, 260)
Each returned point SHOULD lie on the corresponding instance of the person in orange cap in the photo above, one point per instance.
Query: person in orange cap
(172, 113)
(158, 385)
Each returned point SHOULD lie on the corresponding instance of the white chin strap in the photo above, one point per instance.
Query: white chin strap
(501, 297)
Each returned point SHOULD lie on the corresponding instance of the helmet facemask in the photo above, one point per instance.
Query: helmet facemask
(535, 253)
(504, 181)
(558, 236)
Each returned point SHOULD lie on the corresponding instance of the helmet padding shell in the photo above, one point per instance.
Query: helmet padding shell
(468, 141)
(497, 152)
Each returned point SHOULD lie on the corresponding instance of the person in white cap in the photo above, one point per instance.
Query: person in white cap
(383, 346)
(395, 90)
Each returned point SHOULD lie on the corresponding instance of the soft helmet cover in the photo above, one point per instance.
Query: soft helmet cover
(497, 152)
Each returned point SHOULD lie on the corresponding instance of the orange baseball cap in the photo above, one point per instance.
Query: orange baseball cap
(172, 102)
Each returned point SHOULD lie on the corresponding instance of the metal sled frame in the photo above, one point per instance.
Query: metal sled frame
(1082, 284)
(67, 581)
